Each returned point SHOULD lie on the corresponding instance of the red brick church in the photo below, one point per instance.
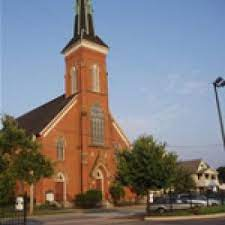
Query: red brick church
(77, 130)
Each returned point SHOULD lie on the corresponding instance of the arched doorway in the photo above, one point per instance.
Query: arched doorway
(60, 188)
(100, 181)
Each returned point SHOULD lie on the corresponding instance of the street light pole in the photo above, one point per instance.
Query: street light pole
(215, 84)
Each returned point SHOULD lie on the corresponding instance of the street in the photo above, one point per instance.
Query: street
(111, 219)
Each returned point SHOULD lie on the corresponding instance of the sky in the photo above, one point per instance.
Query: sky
(164, 56)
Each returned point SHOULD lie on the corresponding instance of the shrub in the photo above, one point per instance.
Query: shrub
(48, 206)
(117, 192)
(89, 199)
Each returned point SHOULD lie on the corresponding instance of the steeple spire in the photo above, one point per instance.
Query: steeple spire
(84, 18)
(84, 25)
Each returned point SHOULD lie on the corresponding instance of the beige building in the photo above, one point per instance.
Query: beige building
(205, 176)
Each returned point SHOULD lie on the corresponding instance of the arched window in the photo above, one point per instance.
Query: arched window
(97, 125)
(95, 78)
(60, 149)
(73, 75)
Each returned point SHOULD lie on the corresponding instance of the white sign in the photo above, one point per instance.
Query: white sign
(50, 197)
(19, 204)
(151, 197)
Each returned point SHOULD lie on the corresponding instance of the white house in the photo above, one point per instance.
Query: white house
(205, 176)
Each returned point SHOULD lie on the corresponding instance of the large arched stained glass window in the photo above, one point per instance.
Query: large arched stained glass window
(95, 78)
(73, 74)
(97, 125)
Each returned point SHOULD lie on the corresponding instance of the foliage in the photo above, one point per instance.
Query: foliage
(183, 182)
(7, 184)
(117, 192)
(148, 166)
(20, 158)
(221, 171)
(48, 206)
(89, 199)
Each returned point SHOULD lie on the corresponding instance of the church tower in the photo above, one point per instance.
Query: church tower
(85, 55)
(86, 76)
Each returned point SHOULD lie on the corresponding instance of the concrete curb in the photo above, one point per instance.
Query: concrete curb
(180, 218)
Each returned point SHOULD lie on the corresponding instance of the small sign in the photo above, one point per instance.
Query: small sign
(19, 204)
(151, 197)
(50, 197)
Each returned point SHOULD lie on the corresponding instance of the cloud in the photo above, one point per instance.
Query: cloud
(183, 85)
(194, 87)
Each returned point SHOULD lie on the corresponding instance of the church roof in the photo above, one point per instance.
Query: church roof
(84, 25)
(37, 119)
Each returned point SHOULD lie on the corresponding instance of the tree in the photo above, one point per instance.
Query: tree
(148, 166)
(183, 181)
(221, 171)
(117, 192)
(20, 158)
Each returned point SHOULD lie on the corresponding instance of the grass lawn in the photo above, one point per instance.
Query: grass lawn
(212, 210)
(195, 211)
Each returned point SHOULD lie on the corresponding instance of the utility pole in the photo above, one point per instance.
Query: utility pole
(220, 82)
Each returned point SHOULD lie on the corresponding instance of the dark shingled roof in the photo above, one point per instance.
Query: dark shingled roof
(95, 39)
(191, 166)
(36, 120)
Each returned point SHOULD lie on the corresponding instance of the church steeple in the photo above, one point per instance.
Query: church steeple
(84, 25)
(84, 18)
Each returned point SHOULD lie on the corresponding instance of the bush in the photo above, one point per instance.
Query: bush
(89, 199)
(48, 206)
(117, 192)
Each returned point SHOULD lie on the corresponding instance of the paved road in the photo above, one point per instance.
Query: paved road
(113, 219)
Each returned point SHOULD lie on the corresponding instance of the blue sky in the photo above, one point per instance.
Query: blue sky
(163, 58)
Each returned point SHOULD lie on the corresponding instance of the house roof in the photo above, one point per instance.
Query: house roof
(191, 165)
(37, 119)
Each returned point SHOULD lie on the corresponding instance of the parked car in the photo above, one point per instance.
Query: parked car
(196, 200)
(202, 200)
(164, 204)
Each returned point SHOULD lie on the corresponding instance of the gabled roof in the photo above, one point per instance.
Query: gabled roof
(191, 165)
(37, 119)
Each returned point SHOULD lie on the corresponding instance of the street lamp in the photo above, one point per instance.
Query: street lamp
(219, 83)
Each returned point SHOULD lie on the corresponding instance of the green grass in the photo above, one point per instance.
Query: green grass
(212, 210)
(195, 211)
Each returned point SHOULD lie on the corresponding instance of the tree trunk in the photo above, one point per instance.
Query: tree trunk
(31, 199)
(148, 203)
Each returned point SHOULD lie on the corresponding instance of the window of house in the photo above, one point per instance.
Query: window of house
(97, 125)
(199, 176)
(213, 177)
(207, 176)
(73, 80)
(95, 78)
(60, 148)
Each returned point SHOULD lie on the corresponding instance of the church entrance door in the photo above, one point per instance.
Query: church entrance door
(100, 182)
(59, 191)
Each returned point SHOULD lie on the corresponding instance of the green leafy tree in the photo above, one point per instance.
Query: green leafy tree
(20, 159)
(184, 181)
(117, 192)
(221, 171)
(148, 166)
